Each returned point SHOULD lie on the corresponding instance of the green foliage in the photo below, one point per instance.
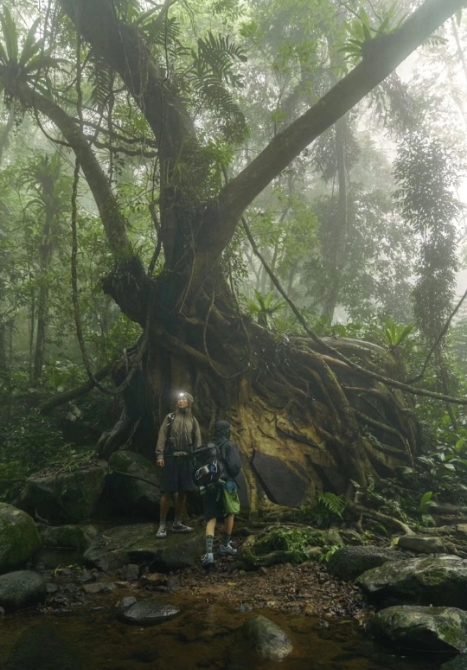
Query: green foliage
(393, 334)
(362, 31)
(213, 71)
(424, 501)
(427, 175)
(22, 63)
(265, 307)
(327, 509)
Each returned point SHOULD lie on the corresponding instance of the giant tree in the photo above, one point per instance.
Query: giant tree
(298, 400)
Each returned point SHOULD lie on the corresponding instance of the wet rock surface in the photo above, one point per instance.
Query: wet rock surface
(458, 663)
(138, 544)
(78, 537)
(21, 589)
(348, 563)
(138, 493)
(148, 613)
(422, 581)
(422, 545)
(267, 638)
(64, 496)
(412, 628)
(19, 539)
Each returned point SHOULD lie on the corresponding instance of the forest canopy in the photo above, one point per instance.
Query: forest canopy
(260, 203)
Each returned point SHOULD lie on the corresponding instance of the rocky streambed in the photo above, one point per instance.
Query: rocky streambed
(109, 594)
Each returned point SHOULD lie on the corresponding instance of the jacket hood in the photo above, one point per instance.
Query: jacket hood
(222, 429)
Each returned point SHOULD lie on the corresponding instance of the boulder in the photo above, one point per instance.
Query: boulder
(267, 639)
(422, 545)
(21, 589)
(416, 629)
(67, 537)
(282, 485)
(19, 539)
(64, 496)
(130, 572)
(419, 581)
(148, 613)
(458, 663)
(135, 492)
(348, 563)
(138, 544)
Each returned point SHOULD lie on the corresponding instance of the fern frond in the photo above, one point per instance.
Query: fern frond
(100, 78)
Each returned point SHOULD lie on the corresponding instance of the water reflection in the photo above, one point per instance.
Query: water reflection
(206, 636)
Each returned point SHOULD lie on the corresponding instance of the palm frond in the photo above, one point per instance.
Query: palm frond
(31, 46)
(10, 34)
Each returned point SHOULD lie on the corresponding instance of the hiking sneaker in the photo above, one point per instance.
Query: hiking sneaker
(227, 550)
(180, 527)
(161, 532)
(207, 560)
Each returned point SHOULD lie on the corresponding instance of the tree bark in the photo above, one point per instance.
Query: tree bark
(337, 243)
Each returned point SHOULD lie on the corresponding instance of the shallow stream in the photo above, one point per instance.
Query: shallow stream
(204, 635)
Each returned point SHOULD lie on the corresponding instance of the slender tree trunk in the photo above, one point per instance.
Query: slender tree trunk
(43, 299)
(337, 248)
(3, 352)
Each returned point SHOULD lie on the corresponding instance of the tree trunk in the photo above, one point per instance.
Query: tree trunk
(337, 243)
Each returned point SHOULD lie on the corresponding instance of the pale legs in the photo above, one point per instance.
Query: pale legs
(180, 504)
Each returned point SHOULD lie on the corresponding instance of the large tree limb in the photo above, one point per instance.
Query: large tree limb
(124, 48)
(382, 56)
(112, 219)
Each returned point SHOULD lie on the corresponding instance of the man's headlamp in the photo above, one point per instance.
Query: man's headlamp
(182, 395)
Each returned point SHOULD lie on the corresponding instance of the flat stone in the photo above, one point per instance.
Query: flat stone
(281, 484)
(21, 589)
(130, 572)
(420, 581)
(348, 563)
(125, 603)
(267, 639)
(138, 544)
(153, 579)
(149, 613)
(99, 587)
(422, 545)
(411, 628)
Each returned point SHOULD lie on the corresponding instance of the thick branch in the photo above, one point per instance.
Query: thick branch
(123, 47)
(112, 219)
(74, 393)
(382, 56)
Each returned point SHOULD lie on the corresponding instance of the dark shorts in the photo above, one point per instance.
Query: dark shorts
(176, 475)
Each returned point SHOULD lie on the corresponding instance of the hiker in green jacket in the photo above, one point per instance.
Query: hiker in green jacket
(178, 436)
(221, 499)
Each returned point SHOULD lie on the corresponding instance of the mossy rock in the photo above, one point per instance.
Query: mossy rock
(68, 537)
(413, 629)
(133, 486)
(65, 496)
(19, 539)
(348, 563)
(419, 581)
(21, 589)
(138, 544)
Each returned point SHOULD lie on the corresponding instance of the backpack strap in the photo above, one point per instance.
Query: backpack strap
(170, 420)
